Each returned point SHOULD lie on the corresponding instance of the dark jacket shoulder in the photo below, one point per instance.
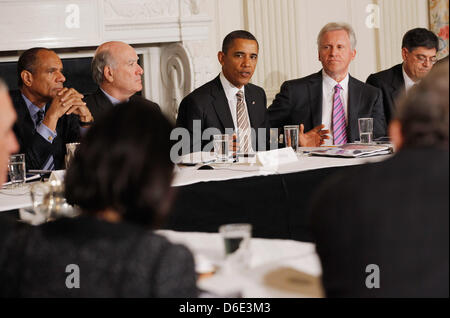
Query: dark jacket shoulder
(386, 75)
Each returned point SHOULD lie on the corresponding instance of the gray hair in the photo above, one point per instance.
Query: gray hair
(3, 85)
(423, 112)
(99, 61)
(335, 26)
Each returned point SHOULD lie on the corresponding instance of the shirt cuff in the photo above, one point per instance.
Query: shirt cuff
(46, 133)
(83, 130)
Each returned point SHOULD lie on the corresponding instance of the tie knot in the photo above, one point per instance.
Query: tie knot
(337, 88)
(240, 95)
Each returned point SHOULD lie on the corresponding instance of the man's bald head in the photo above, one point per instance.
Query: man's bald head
(115, 69)
(103, 56)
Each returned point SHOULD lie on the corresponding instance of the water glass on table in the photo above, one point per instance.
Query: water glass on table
(365, 130)
(222, 147)
(236, 238)
(291, 135)
(17, 170)
(70, 153)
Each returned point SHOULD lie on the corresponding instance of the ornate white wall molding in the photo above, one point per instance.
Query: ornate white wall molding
(152, 21)
(137, 10)
(170, 72)
(50, 23)
(176, 75)
(203, 63)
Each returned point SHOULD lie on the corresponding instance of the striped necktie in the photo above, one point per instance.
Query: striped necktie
(39, 117)
(339, 126)
(49, 164)
(242, 123)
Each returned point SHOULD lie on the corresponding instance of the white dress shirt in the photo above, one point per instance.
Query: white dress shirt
(408, 81)
(328, 85)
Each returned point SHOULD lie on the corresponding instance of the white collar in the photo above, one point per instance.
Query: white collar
(230, 89)
(331, 83)
(408, 81)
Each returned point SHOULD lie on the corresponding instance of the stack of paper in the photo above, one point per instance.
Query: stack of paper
(354, 151)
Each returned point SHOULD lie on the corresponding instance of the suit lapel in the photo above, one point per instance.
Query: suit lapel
(398, 83)
(23, 114)
(354, 99)
(315, 98)
(103, 100)
(220, 104)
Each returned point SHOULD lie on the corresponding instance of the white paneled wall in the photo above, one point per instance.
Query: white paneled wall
(396, 18)
(275, 25)
(287, 32)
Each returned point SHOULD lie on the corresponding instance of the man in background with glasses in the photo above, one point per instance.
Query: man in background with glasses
(419, 48)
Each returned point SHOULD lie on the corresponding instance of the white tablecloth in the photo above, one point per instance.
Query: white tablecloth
(20, 198)
(267, 255)
(15, 198)
(189, 175)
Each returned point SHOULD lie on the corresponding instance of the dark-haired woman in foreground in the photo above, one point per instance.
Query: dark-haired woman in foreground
(120, 179)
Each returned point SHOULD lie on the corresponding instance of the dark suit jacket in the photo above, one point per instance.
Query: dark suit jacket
(393, 214)
(209, 104)
(392, 84)
(300, 102)
(37, 149)
(114, 260)
(99, 104)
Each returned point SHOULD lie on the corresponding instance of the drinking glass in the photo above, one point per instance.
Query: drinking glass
(222, 147)
(365, 130)
(236, 238)
(16, 170)
(291, 136)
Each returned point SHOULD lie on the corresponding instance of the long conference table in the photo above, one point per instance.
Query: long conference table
(275, 200)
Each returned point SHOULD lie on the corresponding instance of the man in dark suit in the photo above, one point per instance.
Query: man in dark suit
(419, 48)
(48, 114)
(330, 97)
(116, 70)
(215, 104)
(213, 108)
(381, 230)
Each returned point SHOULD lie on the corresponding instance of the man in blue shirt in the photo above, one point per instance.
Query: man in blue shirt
(49, 115)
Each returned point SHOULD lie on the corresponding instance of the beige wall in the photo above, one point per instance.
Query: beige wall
(287, 31)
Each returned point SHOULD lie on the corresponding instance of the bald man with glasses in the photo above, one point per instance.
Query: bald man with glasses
(419, 48)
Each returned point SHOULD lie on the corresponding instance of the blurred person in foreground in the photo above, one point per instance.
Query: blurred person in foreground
(8, 146)
(120, 179)
(8, 141)
(383, 229)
